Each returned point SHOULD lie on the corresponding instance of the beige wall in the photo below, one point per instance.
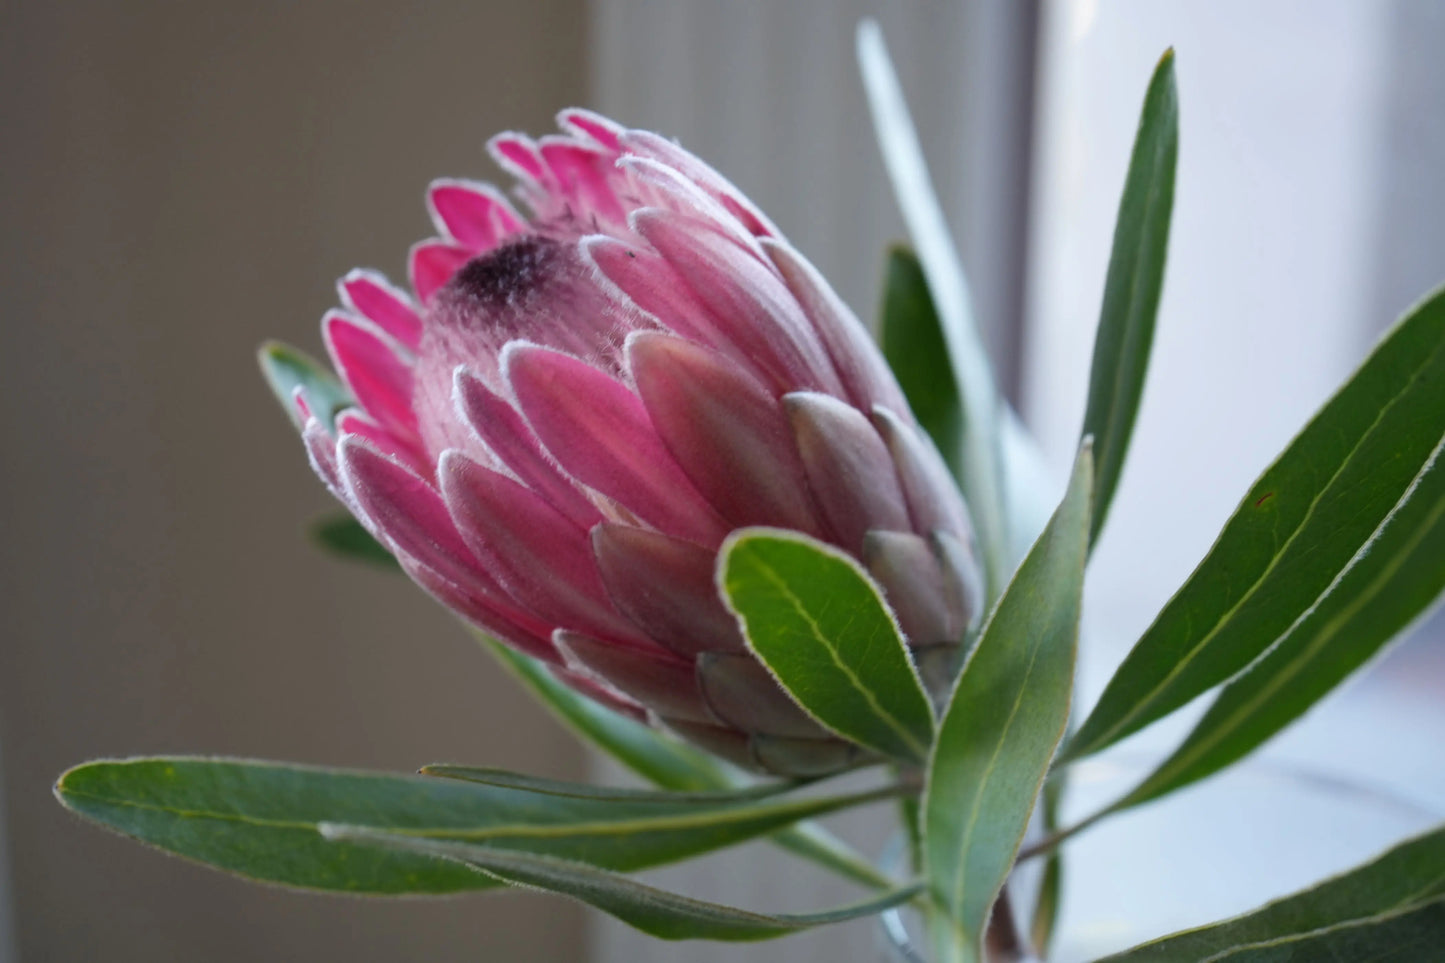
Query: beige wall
(178, 181)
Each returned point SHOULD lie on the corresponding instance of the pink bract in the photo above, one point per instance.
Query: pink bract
(556, 428)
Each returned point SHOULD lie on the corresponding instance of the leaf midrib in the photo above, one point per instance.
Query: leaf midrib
(1296, 665)
(1393, 912)
(524, 831)
(966, 840)
(887, 717)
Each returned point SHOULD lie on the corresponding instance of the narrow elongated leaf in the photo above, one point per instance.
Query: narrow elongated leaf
(342, 535)
(913, 343)
(1132, 286)
(1410, 935)
(1046, 910)
(820, 625)
(260, 819)
(1385, 587)
(978, 454)
(1299, 527)
(287, 368)
(1004, 720)
(668, 763)
(1332, 915)
(657, 912)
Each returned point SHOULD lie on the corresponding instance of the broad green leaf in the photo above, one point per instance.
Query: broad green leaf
(1386, 586)
(1132, 286)
(1004, 720)
(343, 535)
(287, 368)
(670, 764)
(1293, 535)
(913, 343)
(261, 820)
(657, 912)
(977, 454)
(819, 624)
(1330, 916)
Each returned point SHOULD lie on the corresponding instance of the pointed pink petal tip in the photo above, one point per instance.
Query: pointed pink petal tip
(474, 214)
(517, 154)
(432, 263)
(586, 123)
(371, 295)
(376, 368)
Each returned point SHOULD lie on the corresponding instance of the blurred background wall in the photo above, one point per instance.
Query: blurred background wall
(179, 181)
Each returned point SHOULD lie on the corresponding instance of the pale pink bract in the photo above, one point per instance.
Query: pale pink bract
(557, 430)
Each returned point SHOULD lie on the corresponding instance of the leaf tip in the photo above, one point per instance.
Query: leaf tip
(59, 789)
(868, 33)
(737, 540)
(269, 350)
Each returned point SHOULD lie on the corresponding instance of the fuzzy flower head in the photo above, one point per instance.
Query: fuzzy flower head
(556, 428)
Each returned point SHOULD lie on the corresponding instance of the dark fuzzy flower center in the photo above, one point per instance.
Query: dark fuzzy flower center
(509, 274)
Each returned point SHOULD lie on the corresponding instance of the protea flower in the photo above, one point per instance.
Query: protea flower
(555, 432)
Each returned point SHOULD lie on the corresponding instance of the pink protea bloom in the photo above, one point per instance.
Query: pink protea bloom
(555, 432)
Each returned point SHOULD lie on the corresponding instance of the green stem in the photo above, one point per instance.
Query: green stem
(814, 843)
(1058, 836)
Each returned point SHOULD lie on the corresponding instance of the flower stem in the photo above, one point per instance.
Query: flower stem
(814, 843)
(1058, 836)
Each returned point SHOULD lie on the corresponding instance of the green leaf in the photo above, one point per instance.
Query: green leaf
(342, 535)
(977, 453)
(1366, 913)
(1004, 720)
(1046, 910)
(813, 616)
(1293, 535)
(1132, 286)
(914, 345)
(260, 819)
(1404, 936)
(1408, 935)
(287, 368)
(666, 762)
(656, 912)
(1383, 590)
